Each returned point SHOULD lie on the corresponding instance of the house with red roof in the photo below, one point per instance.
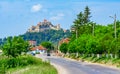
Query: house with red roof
(39, 49)
(65, 40)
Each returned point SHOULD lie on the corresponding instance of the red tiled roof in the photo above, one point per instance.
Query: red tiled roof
(41, 47)
(34, 48)
(66, 40)
(38, 47)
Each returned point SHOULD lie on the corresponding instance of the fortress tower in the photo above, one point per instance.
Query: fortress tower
(45, 25)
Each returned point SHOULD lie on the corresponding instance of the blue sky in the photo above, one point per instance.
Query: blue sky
(16, 16)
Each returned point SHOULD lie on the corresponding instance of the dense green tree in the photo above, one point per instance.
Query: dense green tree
(15, 46)
(71, 47)
(64, 47)
(48, 45)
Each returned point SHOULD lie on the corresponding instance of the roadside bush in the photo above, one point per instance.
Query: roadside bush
(19, 61)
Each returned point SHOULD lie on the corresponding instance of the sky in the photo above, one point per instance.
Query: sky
(16, 16)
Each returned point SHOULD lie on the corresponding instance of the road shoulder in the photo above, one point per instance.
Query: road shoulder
(91, 63)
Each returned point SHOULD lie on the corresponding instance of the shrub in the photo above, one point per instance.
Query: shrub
(19, 61)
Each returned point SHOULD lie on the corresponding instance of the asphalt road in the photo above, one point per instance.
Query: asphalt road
(77, 67)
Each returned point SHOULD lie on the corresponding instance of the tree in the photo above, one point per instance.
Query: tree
(48, 45)
(87, 14)
(15, 46)
(83, 18)
(63, 47)
(81, 24)
(78, 23)
(1, 41)
(80, 19)
(7, 47)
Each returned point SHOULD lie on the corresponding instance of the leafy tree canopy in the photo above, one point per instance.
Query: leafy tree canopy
(15, 46)
(63, 47)
(48, 45)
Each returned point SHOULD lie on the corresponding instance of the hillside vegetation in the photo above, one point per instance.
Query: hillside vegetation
(48, 35)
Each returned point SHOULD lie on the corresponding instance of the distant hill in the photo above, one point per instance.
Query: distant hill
(43, 31)
(47, 35)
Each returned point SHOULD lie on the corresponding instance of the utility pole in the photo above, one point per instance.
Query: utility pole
(93, 28)
(76, 33)
(75, 29)
(76, 38)
(115, 32)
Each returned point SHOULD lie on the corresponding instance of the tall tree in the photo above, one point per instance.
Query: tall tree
(87, 14)
(82, 21)
(78, 23)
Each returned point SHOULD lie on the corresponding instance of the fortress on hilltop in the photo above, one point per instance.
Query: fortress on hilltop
(45, 25)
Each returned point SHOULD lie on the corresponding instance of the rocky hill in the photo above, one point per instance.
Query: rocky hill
(45, 25)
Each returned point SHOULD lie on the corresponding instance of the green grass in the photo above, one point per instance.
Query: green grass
(34, 69)
(25, 64)
(101, 60)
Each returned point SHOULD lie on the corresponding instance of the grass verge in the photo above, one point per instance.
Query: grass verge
(102, 60)
(33, 69)
(25, 64)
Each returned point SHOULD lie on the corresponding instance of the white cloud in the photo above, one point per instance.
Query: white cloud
(36, 8)
(59, 16)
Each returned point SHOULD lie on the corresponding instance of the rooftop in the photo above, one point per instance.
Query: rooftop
(39, 48)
